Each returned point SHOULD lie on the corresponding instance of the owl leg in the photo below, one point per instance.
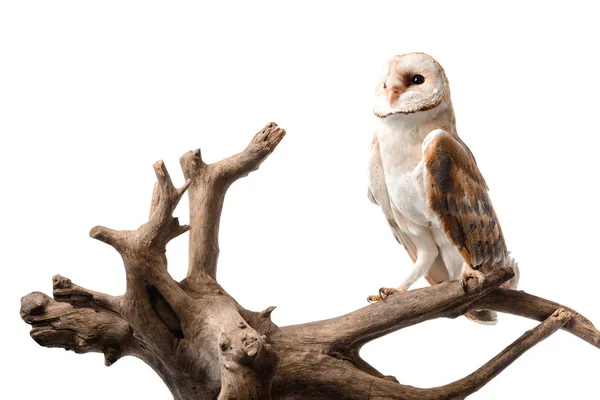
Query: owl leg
(424, 262)
(425, 259)
(470, 272)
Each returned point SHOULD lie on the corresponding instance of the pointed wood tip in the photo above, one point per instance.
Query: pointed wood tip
(108, 236)
(98, 232)
(270, 135)
(191, 162)
(267, 313)
(162, 175)
(159, 165)
(61, 282)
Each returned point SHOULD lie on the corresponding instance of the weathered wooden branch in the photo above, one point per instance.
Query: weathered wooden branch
(207, 193)
(518, 302)
(205, 345)
(470, 384)
(83, 330)
(351, 331)
(66, 291)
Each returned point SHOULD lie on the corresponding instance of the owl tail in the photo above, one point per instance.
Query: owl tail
(485, 317)
(514, 281)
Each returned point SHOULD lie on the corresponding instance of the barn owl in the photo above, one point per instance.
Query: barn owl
(427, 183)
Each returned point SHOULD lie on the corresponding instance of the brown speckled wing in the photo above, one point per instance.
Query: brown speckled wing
(458, 195)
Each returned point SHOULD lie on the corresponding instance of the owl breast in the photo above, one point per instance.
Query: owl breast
(403, 171)
(407, 195)
(400, 142)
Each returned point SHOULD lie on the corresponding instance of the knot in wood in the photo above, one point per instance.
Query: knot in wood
(251, 345)
(225, 342)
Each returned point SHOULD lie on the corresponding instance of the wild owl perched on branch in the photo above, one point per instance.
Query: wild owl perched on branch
(427, 183)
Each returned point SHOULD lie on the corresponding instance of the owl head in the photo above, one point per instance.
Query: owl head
(410, 83)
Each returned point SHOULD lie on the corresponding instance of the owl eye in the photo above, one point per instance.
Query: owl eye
(417, 79)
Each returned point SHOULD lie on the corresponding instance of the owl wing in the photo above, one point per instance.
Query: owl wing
(458, 195)
(378, 195)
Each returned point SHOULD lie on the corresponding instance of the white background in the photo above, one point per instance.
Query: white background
(93, 93)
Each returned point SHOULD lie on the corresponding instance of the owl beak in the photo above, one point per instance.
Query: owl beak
(393, 94)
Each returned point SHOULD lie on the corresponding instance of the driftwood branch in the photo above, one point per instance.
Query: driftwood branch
(247, 364)
(207, 193)
(83, 330)
(66, 291)
(351, 331)
(518, 302)
(385, 389)
(204, 345)
(470, 384)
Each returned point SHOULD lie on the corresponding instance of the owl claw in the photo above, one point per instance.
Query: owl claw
(386, 292)
(383, 294)
(463, 284)
(469, 272)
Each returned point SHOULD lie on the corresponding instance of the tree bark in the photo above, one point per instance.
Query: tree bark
(205, 345)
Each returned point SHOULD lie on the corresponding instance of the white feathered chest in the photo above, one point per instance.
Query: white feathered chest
(400, 140)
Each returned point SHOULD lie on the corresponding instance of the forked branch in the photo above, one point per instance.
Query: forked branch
(205, 345)
(161, 226)
(475, 381)
(385, 389)
(209, 184)
(152, 297)
(520, 303)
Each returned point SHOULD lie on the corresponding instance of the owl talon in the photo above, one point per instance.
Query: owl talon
(469, 272)
(383, 294)
(373, 299)
(386, 292)
(463, 284)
